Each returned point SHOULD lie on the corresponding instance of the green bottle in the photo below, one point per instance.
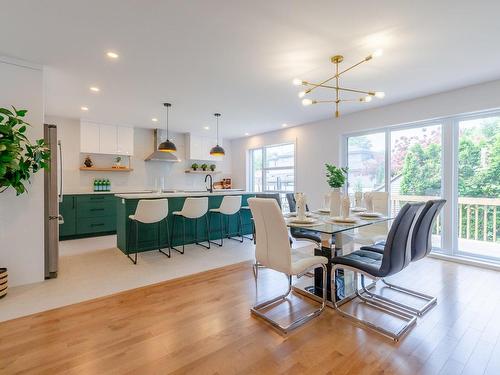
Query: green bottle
(95, 185)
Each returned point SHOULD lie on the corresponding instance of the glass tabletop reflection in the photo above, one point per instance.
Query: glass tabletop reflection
(327, 226)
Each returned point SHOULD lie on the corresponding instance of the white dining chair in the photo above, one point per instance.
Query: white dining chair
(230, 205)
(193, 209)
(149, 211)
(273, 251)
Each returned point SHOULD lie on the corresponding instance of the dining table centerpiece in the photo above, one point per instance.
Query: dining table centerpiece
(336, 178)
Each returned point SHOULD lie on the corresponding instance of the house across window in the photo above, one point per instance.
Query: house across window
(272, 169)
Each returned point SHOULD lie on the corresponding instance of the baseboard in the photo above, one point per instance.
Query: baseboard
(467, 261)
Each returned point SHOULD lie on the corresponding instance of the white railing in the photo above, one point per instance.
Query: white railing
(477, 217)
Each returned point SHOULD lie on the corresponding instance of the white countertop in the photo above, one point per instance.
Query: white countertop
(183, 194)
(83, 192)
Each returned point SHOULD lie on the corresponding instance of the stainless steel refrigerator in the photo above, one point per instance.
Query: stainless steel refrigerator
(53, 196)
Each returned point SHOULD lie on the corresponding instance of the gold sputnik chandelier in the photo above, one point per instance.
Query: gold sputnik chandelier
(337, 59)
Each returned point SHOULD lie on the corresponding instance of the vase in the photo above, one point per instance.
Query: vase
(335, 201)
(300, 202)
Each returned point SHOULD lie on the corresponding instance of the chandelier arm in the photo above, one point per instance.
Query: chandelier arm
(335, 76)
(346, 89)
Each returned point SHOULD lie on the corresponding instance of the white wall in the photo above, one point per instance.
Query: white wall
(144, 174)
(319, 143)
(21, 218)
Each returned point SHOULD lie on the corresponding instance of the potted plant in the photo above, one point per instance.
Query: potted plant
(212, 167)
(19, 159)
(204, 167)
(336, 178)
(118, 162)
(194, 166)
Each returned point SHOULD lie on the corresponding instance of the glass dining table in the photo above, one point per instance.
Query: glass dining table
(330, 232)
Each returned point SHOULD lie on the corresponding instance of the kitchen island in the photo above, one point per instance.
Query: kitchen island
(148, 235)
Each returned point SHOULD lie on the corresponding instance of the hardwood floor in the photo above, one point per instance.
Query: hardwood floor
(201, 324)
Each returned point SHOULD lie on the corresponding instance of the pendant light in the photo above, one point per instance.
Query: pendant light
(217, 150)
(167, 146)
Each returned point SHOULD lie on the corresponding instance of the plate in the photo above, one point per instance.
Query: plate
(307, 220)
(358, 209)
(370, 214)
(294, 214)
(349, 220)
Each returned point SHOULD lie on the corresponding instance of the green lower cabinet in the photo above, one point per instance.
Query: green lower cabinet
(87, 215)
(67, 208)
(147, 234)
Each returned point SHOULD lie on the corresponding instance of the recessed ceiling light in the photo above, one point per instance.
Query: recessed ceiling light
(284, 125)
(206, 127)
(154, 119)
(247, 133)
(95, 89)
(112, 55)
(83, 108)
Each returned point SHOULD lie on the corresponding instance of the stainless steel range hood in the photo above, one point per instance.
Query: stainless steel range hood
(159, 136)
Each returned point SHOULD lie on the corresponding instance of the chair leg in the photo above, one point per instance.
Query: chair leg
(408, 318)
(297, 322)
(196, 233)
(221, 232)
(431, 301)
(238, 234)
(159, 243)
(183, 234)
(136, 244)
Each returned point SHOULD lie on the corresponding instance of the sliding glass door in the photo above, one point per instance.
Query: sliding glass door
(457, 158)
(416, 169)
(478, 192)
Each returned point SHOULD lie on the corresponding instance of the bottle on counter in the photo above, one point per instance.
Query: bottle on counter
(108, 185)
(95, 185)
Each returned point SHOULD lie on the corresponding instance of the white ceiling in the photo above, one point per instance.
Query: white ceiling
(239, 57)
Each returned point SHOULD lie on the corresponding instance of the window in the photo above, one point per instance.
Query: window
(456, 158)
(272, 169)
(366, 163)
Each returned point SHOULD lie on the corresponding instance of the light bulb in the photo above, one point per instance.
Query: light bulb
(297, 82)
(377, 53)
(112, 55)
(366, 99)
(306, 102)
(84, 108)
(154, 119)
(302, 94)
(380, 94)
(95, 89)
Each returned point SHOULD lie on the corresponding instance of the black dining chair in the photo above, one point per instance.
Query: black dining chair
(377, 266)
(298, 233)
(421, 246)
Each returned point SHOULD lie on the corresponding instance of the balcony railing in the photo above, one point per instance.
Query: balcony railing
(477, 217)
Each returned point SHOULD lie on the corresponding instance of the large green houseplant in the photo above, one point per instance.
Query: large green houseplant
(19, 157)
(335, 176)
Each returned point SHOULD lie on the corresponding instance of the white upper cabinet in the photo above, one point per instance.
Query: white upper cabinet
(124, 140)
(89, 138)
(106, 139)
(198, 148)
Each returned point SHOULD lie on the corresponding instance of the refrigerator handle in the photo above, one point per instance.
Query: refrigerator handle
(60, 197)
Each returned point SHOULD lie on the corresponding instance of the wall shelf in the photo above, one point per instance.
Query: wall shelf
(96, 169)
(201, 172)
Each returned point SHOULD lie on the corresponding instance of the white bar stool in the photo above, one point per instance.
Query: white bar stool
(193, 208)
(149, 211)
(230, 205)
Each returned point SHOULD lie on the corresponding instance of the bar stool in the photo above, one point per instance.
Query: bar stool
(230, 205)
(194, 209)
(149, 211)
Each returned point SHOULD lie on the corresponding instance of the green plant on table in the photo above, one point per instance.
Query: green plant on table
(204, 166)
(336, 176)
(194, 166)
(212, 167)
(19, 157)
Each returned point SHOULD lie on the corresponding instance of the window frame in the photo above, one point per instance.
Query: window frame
(449, 171)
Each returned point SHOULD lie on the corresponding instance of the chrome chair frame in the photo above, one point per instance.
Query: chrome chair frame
(297, 322)
(410, 319)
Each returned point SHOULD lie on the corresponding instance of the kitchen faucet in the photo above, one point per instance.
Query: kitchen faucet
(210, 189)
